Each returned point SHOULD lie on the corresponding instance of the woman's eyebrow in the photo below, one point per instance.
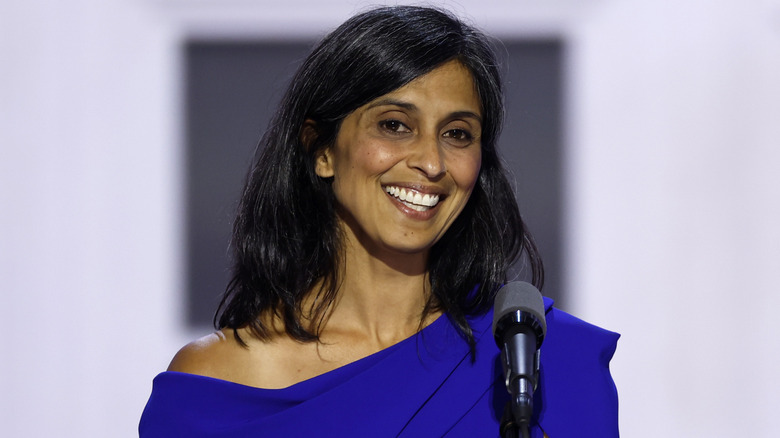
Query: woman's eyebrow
(394, 102)
(466, 115)
(412, 107)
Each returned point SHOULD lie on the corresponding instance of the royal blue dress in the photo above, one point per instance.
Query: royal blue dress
(424, 386)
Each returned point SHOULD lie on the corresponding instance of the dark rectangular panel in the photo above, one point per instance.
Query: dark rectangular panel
(232, 89)
(532, 145)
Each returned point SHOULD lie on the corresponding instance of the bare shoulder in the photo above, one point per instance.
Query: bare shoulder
(272, 363)
(262, 364)
(208, 356)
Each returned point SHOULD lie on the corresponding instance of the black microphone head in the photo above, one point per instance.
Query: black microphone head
(519, 302)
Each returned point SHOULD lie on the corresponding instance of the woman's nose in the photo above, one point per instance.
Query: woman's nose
(427, 156)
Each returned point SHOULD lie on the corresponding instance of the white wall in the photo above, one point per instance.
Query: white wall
(89, 197)
(675, 197)
(672, 190)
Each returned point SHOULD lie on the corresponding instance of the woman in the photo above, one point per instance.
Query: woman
(373, 232)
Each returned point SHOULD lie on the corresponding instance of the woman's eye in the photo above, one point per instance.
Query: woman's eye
(459, 135)
(393, 126)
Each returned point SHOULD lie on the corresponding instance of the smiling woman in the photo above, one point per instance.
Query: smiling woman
(396, 154)
(374, 229)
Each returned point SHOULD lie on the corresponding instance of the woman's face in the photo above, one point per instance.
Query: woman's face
(405, 164)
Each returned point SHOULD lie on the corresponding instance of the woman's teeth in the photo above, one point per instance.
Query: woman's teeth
(412, 199)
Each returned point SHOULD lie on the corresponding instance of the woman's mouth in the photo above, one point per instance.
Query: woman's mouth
(412, 198)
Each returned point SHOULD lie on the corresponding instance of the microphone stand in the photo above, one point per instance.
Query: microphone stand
(521, 378)
(509, 428)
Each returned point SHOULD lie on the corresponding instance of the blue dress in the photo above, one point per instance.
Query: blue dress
(424, 386)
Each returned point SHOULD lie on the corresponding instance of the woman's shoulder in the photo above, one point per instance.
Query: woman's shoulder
(196, 396)
(579, 392)
(207, 356)
(568, 329)
(221, 355)
(197, 354)
(240, 357)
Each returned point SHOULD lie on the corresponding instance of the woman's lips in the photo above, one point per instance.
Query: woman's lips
(412, 198)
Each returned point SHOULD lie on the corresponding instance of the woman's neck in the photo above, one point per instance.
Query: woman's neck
(380, 294)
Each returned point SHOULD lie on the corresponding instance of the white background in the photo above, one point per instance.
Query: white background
(672, 189)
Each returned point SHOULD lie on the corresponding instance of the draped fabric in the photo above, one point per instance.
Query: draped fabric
(425, 386)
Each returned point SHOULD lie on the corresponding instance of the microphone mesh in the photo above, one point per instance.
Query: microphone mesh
(519, 295)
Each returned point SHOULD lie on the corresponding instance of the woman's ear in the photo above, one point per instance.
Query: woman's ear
(323, 164)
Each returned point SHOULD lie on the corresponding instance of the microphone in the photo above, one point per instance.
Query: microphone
(519, 328)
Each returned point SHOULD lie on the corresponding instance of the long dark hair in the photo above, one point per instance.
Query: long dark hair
(286, 239)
